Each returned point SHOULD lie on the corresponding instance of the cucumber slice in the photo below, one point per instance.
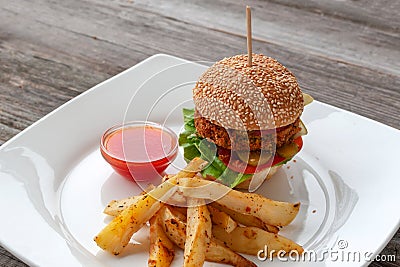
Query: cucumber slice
(254, 158)
(288, 150)
(303, 130)
(307, 99)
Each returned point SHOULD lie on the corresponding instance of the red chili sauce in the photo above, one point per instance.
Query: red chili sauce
(139, 152)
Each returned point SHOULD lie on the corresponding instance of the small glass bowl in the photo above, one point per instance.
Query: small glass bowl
(144, 167)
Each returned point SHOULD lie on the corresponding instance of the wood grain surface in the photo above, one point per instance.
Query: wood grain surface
(345, 53)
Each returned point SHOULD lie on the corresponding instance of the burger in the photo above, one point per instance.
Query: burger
(246, 120)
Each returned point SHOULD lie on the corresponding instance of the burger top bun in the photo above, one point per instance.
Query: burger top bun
(235, 96)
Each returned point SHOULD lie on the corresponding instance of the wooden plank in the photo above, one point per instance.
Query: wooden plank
(342, 52)
(8, 260)
(382, 14)
(353, 87)
(291, 26)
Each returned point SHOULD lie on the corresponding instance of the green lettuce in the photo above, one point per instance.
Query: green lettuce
(195, 146)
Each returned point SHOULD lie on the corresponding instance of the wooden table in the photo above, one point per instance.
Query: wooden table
(345, 53)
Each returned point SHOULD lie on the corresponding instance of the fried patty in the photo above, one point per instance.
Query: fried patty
(244, 140)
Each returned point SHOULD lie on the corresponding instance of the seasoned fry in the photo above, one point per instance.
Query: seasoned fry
(174, 226)
(167, 176)
(178, 211)
(222, 219)
(198, 233)
(161, 248)
(177, 199)
(175, 229)
(251, 240)
(218, 252)
(116, 235)
(272, 212)
(115, 207)
(191, 169)
(244, 219)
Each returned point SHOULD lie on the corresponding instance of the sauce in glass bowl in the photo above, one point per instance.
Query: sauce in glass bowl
(139, 149)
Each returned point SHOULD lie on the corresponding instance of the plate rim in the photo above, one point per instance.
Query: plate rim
(9, 142)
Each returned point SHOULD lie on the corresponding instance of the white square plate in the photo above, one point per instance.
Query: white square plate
(54, 183)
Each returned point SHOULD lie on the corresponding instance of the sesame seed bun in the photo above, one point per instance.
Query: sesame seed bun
(235, 96)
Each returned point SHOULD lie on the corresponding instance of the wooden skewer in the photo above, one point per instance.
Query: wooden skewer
(249, 41)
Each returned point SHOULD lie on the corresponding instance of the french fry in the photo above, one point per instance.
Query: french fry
(222, 219)
(191, 169)
(272, 212)
(116, 235)
(218, 252)
(177, 199)
(270, 228)
(167, 176)
(115, 207)
(178, 211)
(244, 219)
(175, 228)
(198, 233)
(161, 251)
(250, 240)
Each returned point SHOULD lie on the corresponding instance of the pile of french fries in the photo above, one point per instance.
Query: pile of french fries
(206, 219)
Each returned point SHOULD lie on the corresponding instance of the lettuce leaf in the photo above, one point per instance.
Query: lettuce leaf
(195, 146)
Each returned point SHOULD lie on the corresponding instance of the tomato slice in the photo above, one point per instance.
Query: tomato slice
(238, 165)
(299, 142)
